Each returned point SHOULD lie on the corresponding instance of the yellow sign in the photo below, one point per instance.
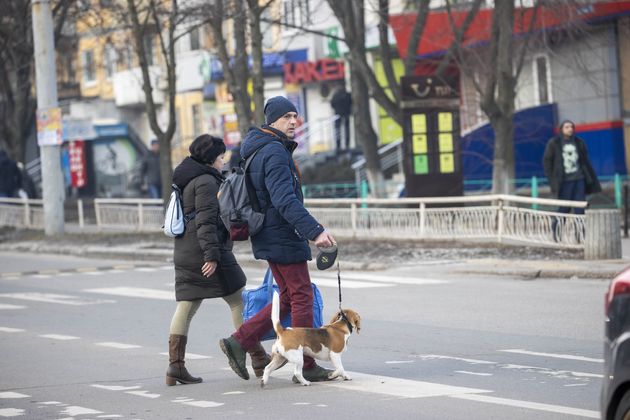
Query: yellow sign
(447, 163)
(419, 123)
(49, 127)
(446, 142)
(419, 143)
(445, 121)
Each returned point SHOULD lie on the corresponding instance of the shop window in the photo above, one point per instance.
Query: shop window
(89, 68)
(542, 80)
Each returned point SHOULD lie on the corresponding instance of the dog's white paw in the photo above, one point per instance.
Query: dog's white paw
(306, 383)
(347, 378)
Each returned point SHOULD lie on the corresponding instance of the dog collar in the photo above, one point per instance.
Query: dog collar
(345, 319)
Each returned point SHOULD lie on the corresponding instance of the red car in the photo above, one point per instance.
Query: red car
(615, 398)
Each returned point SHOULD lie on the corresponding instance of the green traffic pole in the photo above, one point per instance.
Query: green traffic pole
(364, 193)
(535, 191)
(618, 191)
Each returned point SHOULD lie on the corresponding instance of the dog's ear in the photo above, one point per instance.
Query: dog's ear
(336, 317)
(357, 322)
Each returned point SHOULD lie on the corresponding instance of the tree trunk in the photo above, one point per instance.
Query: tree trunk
(258, 80)
(365, 135)
(503, 162)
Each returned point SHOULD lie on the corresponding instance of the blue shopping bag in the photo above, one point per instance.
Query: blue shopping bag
(256, 299)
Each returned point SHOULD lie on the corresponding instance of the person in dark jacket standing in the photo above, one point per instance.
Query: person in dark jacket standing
(205, 266)
(341, 103)
(568, 168)
(283, 239)
(151, 170)
(10, 177)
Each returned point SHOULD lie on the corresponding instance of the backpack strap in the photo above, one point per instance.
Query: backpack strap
(251, 192)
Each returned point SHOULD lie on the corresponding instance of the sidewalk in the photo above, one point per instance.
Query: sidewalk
(467, 258)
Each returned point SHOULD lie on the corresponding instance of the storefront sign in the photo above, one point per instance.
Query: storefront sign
(313, 71)
(78, 173)
(431, 144)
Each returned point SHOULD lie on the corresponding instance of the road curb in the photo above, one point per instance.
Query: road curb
(163, 255)
(531, 274)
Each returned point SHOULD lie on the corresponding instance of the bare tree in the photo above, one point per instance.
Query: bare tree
(255, 17)
(351, 15)
(158, 18)
(236, 72)
(17, 103)
(502, 63)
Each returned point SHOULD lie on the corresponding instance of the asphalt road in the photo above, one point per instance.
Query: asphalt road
(87, 339)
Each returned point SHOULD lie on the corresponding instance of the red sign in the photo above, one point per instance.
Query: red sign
(77, 163)
(309, 71)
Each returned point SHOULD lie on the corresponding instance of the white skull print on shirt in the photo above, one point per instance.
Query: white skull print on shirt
(570, 158)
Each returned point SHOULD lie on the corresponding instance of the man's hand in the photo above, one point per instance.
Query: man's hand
(325, 240)
(209, 268)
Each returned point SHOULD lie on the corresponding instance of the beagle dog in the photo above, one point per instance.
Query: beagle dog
(325, 343)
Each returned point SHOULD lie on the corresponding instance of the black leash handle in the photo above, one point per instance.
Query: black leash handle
(339, 282)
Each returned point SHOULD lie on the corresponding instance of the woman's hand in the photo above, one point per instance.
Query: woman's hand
(209, 268)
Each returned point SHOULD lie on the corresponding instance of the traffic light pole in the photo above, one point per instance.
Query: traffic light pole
(46, 76)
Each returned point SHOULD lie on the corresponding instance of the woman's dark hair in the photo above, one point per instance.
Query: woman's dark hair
(206, 148)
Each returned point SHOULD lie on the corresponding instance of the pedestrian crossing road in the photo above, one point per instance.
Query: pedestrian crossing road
(81, 345)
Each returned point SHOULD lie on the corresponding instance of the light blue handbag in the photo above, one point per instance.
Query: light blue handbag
(254, 300)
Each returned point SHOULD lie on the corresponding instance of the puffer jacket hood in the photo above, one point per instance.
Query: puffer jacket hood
(190, 169)
(259, 137)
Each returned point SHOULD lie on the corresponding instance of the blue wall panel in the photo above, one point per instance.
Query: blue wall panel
(533, 127)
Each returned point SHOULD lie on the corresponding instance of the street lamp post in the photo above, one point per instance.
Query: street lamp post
(48, 117)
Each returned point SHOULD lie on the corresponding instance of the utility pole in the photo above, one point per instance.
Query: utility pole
(48, 117)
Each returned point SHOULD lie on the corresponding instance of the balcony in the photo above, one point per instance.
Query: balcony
(128, 87)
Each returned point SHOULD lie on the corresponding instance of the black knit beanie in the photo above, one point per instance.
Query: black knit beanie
(206, 148)
(276, 107)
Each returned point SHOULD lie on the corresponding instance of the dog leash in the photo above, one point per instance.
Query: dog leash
(343, 314)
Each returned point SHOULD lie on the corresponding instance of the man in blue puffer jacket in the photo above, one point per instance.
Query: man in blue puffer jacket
(283, 240)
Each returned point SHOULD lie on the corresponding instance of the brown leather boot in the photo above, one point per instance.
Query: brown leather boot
(176, 370)
(260, 359)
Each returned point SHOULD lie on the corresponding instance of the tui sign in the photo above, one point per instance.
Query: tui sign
(431, 139)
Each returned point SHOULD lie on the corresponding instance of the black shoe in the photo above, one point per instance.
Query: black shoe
(235, 355)
(315, 374)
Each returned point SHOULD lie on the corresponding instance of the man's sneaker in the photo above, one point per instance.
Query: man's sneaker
(235, 355)
(315, 374)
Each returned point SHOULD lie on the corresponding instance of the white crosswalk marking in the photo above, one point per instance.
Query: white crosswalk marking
(139, 292)
(556, 373)
(59, 337)
(554, 355)
(347, 284)
(145, 394)
(397, 387)
(116, 387)
(530, 405)
(9, 394)
(121, 346)
(11, 412)
(55, 298)
(11, 330)
(192, 356)
(5, 306)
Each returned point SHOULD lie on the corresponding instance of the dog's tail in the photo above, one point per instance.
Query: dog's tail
(275, 313)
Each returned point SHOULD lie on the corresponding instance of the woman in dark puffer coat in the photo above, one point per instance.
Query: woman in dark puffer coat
(205, 266)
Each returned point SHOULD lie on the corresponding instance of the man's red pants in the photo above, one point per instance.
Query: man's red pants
(296, 297)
